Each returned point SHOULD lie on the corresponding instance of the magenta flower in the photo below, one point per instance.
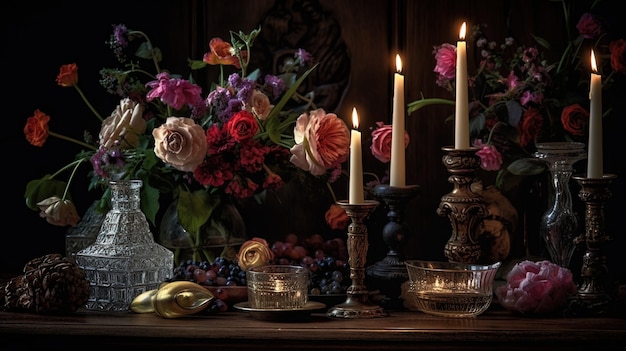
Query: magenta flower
(175, 92)
(490, 157)
(445, 54)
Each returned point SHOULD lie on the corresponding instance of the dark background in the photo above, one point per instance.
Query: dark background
(39, 37)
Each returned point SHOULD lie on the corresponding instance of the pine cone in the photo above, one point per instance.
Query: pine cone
(51, 283)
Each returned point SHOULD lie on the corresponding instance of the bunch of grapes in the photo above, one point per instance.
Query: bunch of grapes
(326, 260)
(220, 272)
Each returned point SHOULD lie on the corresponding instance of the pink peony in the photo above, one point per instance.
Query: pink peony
(490, 157)
(536, 287)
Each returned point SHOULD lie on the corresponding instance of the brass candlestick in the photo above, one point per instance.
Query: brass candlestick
(394, 233)
(357, 304)
(594, 292)
(464, 208)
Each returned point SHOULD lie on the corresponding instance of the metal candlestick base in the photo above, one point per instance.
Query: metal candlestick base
(357, 304)
(594, 293)
(464, 208)
(394, 233)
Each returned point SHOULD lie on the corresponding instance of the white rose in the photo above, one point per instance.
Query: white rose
(124, 125)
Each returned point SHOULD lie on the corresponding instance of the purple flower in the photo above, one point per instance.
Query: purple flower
(275, 84)
(303, 56)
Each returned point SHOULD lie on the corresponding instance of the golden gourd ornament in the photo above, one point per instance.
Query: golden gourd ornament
(174, 299)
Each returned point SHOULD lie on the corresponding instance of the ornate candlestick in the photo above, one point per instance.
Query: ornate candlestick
(464, 208)
(357, 304)
(394, 233)
(594, 294)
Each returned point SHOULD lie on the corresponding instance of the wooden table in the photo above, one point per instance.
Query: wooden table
(238, 330)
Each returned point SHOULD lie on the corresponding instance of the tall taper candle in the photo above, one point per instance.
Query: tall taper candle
(397, 172)
(594, 154)
(461, 114)
(356, 163)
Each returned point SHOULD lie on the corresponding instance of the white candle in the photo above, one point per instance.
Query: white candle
(397, 167)
(594, 154)
(461, 126)
(356, 163)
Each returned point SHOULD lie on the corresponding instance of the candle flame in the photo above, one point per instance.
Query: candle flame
(594, 66)
(462, 32)
(398, 64)
(355, 118)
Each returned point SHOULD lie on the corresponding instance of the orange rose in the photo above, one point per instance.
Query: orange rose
(36, 129)
(68, 75)
(336, 217)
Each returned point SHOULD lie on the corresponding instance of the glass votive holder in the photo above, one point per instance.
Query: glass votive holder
(278, 287)
(451, 289)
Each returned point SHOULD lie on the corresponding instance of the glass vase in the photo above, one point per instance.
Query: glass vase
(559, 224)
(219, 236)
(124, 261)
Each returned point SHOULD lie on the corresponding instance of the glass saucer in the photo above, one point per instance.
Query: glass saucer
(292, 314)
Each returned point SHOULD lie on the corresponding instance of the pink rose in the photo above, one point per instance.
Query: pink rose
(322, 142)
(180, 142)
(381, 142)
(490, 157)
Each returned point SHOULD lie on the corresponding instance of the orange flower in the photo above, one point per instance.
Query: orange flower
(68, 75)
(221, 54)
(36, 129)
(336, 217)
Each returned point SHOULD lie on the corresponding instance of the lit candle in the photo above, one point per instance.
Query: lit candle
(594, 156)
(397, 171)
(356, 163)
(461, 127)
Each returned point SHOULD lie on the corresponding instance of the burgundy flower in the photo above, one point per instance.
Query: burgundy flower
(575, 118)
(618, 55)
(588, 26)
(530, 126)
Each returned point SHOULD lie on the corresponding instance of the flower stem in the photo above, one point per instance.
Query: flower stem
(82, 143)
(88, 103)
(69, 181)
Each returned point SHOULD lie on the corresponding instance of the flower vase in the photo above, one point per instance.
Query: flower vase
(559, 224)
(124, 261)
(222, 232)
(85, 233)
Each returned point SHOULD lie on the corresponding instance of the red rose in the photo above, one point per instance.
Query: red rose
(36, 128)
(531, 124)
(574, 119)
(242, 126)
(68, 75)
(618, 55)
(381, 142)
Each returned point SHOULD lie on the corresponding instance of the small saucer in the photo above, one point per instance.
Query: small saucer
(292, 315)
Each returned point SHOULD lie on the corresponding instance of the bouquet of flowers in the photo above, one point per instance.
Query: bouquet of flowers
(518, 97)
(239, 139)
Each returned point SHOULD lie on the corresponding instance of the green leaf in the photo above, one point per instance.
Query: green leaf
(281, 104)
(196, 64)
(41, 189)
(194, 209)
(418, 104)
(145, 51)
(149, 201)
(527, 166)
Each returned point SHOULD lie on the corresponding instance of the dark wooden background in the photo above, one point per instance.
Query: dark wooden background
(39, 37)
